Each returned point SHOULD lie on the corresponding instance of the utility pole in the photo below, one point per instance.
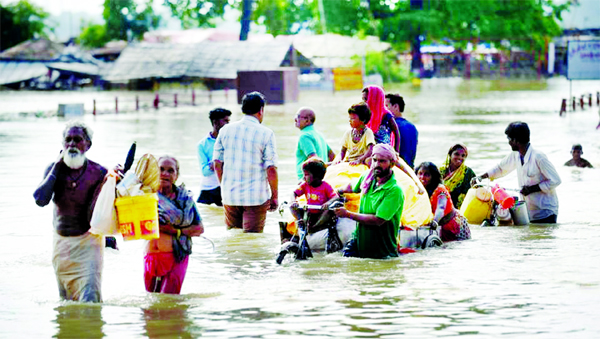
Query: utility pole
(322, 15)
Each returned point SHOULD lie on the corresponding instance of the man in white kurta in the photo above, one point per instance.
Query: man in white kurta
(536, 175)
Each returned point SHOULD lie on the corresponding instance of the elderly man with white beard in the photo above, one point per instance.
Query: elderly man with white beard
(73, 183)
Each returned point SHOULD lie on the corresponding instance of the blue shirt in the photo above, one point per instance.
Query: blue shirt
(205, 156)
(408, 140)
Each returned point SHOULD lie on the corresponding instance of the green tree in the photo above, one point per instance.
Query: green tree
(93, 35)
(123, 18)
(122, 21)
(199, 13)
(22, 21)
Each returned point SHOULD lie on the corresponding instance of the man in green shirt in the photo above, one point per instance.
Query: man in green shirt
(311, 142)
(380, 208)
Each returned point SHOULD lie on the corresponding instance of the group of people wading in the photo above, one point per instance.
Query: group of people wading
(239, 166)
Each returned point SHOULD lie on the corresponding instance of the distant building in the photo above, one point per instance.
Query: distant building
(44, 64)
(214, 63)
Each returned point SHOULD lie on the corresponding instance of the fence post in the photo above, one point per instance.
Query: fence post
(175, 99)
(156, 101)
(574, 104)
(590, 100)
(117, 105)
(94, 111)
(598, 98)
(193, 97)
(137, 103)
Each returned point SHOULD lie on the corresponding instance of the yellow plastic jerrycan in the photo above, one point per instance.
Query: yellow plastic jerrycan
(477, 204)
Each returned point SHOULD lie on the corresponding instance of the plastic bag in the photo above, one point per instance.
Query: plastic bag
(148, 173)
(104, 216)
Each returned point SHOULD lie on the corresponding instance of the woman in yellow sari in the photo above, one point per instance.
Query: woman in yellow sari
(457, 176)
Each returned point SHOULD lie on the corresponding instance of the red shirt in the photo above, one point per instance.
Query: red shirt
(315, 195)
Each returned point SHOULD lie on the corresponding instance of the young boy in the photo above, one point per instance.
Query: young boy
(317, 192)
(358, 142)
(210, 189)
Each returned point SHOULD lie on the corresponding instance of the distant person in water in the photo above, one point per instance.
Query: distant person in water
(576, 152)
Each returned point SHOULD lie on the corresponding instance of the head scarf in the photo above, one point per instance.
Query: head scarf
(453, 179)
(376, 103)
(385, 151)
(451, 150)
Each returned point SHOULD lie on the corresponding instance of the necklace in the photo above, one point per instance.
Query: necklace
(74, 180)
(357, 134)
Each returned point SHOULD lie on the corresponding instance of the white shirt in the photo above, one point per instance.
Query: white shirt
(246, 149)
(535, 170)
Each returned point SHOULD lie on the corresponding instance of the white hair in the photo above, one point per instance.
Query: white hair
(78, 124)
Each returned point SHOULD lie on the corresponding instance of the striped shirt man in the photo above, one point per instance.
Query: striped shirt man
(246, 148)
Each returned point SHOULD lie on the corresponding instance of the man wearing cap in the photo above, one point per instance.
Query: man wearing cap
(577, 160)
(380, 208)
(536, 175)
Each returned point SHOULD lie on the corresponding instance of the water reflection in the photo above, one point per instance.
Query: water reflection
(168, 317)
(535, 281)
(79, 320)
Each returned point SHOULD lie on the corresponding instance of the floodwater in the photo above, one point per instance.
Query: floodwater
(532, 281)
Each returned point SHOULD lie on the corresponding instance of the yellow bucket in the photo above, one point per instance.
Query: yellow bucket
(138, 216)
(477, 205)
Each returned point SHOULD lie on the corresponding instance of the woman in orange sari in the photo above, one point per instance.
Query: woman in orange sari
(454, 226)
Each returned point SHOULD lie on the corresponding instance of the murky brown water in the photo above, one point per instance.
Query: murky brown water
(534, 281)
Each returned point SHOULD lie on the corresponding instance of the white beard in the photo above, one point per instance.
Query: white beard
(73, 158)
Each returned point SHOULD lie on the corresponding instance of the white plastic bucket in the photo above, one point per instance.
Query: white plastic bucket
(519, 212)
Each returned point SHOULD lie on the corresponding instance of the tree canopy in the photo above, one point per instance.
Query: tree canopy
(123, 20)
(20, 22)
(523, 23)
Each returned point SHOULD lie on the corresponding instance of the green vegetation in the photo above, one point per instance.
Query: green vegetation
(122, 21)
(20, 22)
(386, 64)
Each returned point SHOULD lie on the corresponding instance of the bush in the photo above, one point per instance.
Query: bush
(386, 64)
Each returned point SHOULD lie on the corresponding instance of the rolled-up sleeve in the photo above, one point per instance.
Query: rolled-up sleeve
(269, 153)
(549, 173)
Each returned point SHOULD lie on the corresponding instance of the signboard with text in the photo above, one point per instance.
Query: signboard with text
(583, 59)
(347, 78)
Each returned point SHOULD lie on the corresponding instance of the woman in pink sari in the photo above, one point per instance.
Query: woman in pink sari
(382, 121)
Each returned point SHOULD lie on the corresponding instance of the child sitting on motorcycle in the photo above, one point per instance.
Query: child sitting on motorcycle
(317, 192)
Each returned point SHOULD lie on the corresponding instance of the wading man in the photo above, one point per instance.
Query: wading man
(380, 209)
(245, 161)
(536, 175)
(73, 183)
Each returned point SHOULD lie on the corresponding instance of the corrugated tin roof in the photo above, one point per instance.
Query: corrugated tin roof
(75, 67)
(209, 59)
(333, 50)
(16, 71)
